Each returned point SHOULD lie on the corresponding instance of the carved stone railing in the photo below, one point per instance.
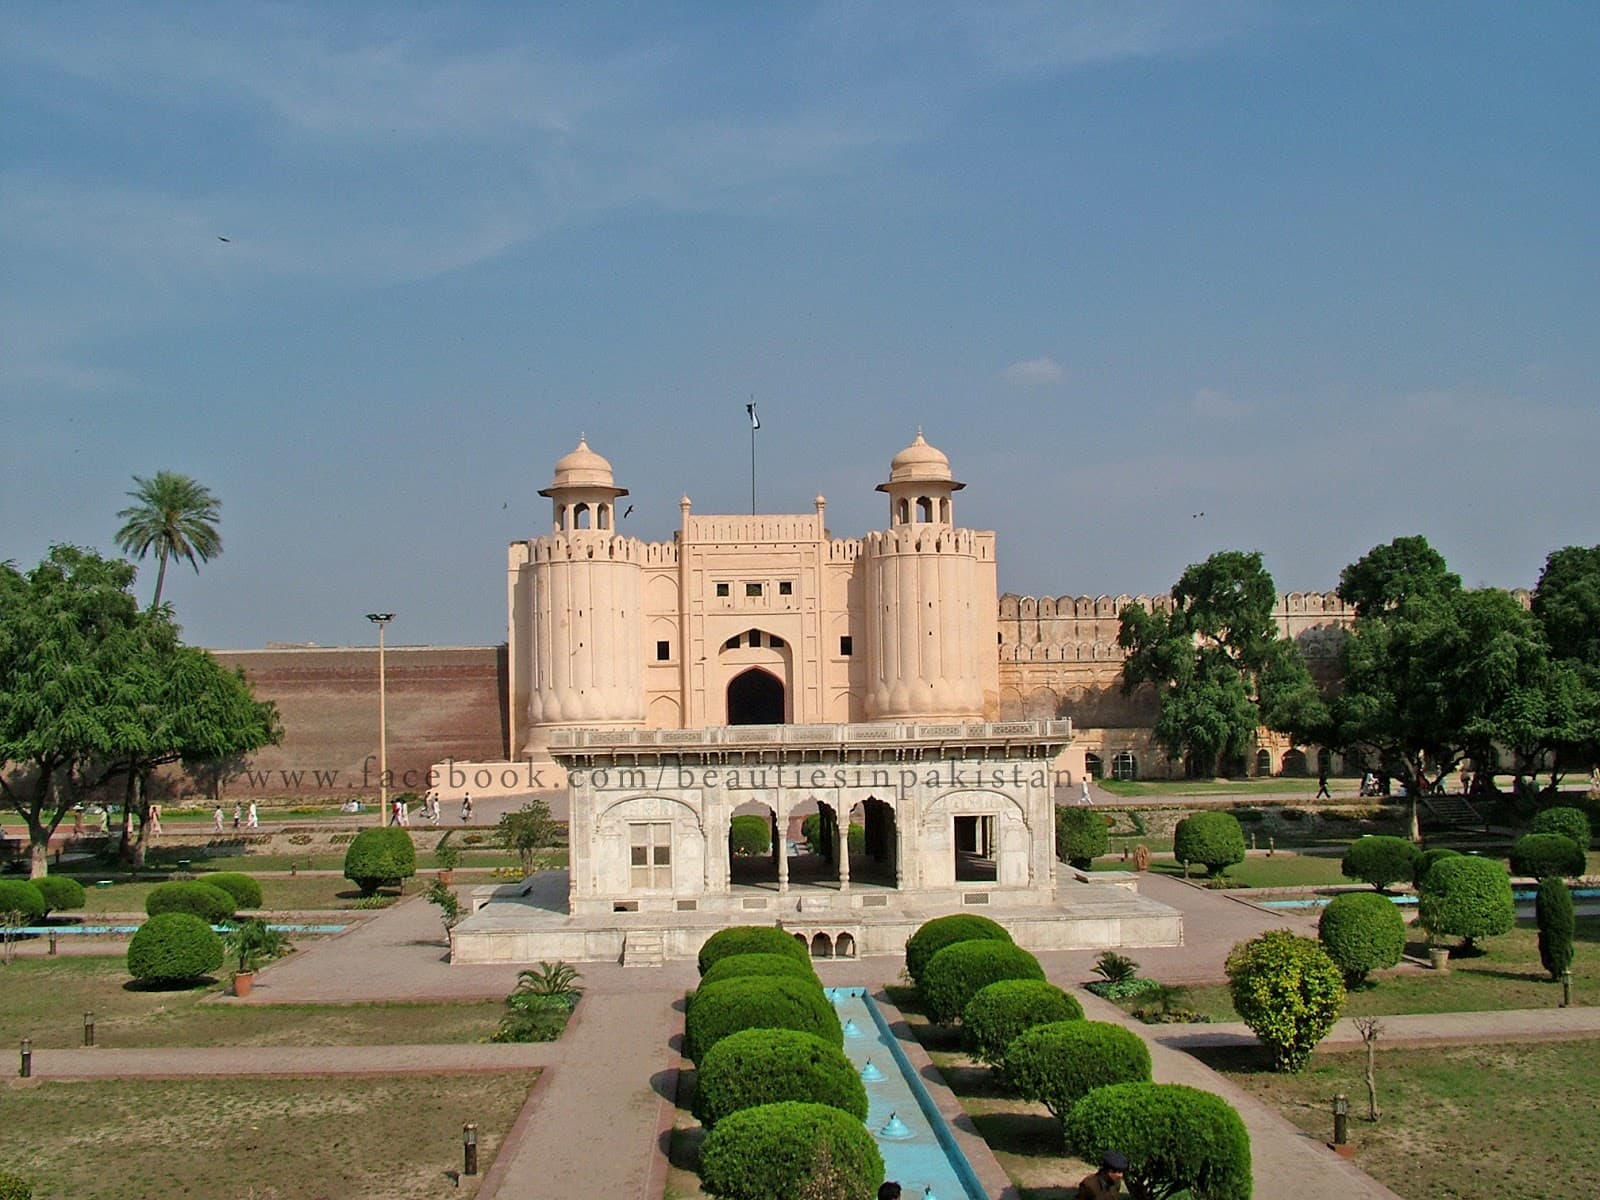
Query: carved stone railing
(745, 737)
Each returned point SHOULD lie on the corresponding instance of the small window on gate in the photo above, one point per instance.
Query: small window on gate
(785, 587)
(663, 651)
(847, 646)
(722, 589)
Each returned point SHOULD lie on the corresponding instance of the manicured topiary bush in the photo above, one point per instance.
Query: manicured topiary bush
(1380, 859)
(751, 939)
(999, 1013)
(1553, 913)
(1468, 898)
(380, 858)
(246, 892)
(736, 966)
(20, 895)
(1081, 836)
(1547, 855)
(776, 1149)
(15, 1187)
(769, 1066)
(1174, 1137)
(61, 893)
(1572, 822)
(1425, 862)
(958, 973)
(1215, 840)
(757, 1002)
(210, 904)
(174, 947)
(1059, 1064)
(1288, 991)
(811, 834)
(1362, 931)
(933, 936)
(750, 835)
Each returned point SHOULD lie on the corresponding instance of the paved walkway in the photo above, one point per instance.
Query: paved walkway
(1414, 1029)
(172, 1062)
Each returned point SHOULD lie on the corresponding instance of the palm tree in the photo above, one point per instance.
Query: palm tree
(176, 517)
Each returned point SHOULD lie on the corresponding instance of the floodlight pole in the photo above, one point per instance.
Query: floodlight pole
(381, 620)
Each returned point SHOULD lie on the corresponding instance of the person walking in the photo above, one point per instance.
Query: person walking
(1107, 1181)
(1083, 797)
(238, 814)
(1322, 785)
(466, 808)
(216, 819)
(252, 818)
(155, 820)
(77, 820)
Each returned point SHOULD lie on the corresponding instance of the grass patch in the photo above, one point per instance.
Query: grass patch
(45, 999)
(1273, 786)
(1506, 975)
(1281, 870)
(1459, 1122)
(271, 1139)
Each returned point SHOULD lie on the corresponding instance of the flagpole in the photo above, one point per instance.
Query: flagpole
(755, 424)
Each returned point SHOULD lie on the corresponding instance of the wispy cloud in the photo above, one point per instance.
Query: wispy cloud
(1034, 372)
(1213, 404)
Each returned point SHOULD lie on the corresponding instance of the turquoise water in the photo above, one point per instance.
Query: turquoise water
(1521, 895)
(917, 1147)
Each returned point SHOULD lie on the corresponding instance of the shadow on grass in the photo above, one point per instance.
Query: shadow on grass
(1030, 1135)
(1241, 1060)
(170, 985)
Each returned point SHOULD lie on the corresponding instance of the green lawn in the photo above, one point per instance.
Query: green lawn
(384, 1138)
(1506, 975)
(45, 999)
(1458, 1123)
(1274, 786)
(1281, 870)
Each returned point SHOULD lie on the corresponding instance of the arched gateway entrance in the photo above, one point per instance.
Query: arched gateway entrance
(755, 697)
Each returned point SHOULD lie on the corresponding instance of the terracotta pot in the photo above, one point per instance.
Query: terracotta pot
(1439, 957)
(242, 983)
(446, 875)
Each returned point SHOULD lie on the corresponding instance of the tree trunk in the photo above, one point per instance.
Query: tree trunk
(124, 850)
(161, 578)
(142, 844)
(1372, 1080)
(39, 854)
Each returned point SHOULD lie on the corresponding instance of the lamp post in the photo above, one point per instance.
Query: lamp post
(381, 620)
(469, 1149)
(1341, 1119)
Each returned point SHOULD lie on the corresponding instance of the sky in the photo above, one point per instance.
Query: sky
(1161, 278)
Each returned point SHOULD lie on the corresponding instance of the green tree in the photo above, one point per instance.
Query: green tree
(1553, 913)
(1219, 668)
(1288, 991)
(64, 631)
(174, 516)
(1566, 604)
(527, 831)
(1384, 578)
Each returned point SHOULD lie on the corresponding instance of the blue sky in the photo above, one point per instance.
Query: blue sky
(1327, 276)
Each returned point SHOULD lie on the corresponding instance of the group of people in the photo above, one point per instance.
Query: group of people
(250, 818)
(400, 809)
(1104, 1184)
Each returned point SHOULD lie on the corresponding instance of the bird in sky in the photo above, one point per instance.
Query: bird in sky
(1196, 516)
(220, 238)
(627, 512)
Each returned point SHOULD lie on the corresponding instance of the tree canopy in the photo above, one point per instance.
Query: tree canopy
(91, 689)
(176, 517)
(1217, 662)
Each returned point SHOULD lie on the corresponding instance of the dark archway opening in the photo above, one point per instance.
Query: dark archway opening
(755, 697)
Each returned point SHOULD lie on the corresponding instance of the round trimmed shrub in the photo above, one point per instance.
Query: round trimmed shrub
(174, 947)
(1425, 862)
(1215, 840)
(776, 1149)
(757, 1002)
(1547, 855)
(61, 893)
(1468, 898)
(1059, 1064)
(1081, 836)
(244, 889)
(751, 939)
(1174, 1137)
(1573, 822)
(1552, 912)
(1362, 931)
(769, 1066)
(1380, 859)
(736, 966)
(1288, 991)
(750, 835)
(380, 858)
(23, 896)
(15, 1187)
(933, 936)
(211, 904)
(999, 1013)
(958, 973)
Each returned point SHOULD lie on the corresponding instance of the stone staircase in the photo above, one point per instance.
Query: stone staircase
(1449, 810)
(643, 948)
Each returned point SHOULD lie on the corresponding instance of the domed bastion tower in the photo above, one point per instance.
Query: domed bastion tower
(844, 691)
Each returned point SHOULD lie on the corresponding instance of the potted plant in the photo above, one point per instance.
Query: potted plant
(448, 858)
(251, 943)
